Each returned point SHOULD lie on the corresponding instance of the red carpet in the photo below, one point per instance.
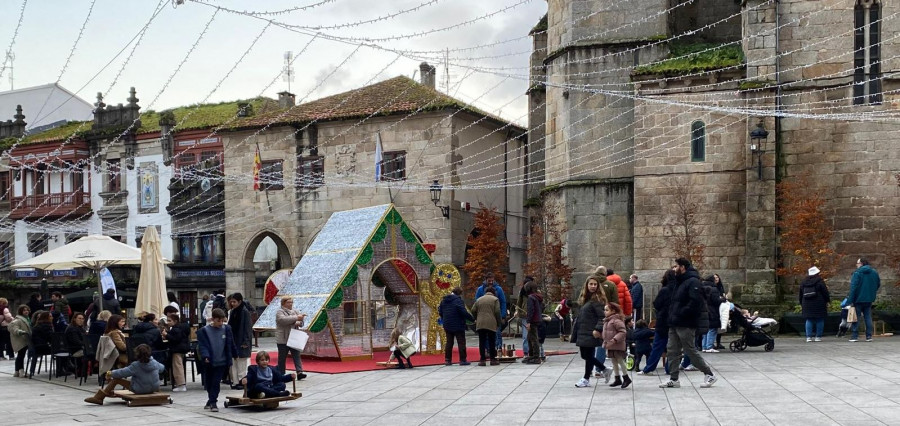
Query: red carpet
(336, 367)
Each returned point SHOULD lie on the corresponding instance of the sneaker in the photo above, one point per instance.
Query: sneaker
(583, 383)
(448, 363)
(817, 339)
(645, 373)
(465, 363)
(607, 373)
(808, 340)
(869, 339)
(300, 375)
(214, 409)
(713, 351)
(671, 384)
(708, 381)
(853, 340)
(598, 373)
(495, 361)
(207, 406)
(482, 363)
(182, 388)
(690, 368)
(16, 374)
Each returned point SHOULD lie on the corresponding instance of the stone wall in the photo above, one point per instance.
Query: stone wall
(587, 22)
(702, 13)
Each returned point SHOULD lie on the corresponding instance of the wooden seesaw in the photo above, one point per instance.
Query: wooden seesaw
(141, 400)
(267, 403)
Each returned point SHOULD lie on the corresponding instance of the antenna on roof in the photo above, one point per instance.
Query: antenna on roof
(287, 73)
(10, 57)
(447, 69)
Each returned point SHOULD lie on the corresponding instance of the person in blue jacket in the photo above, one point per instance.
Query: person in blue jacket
(498, 291)
(217, 349)
(263, 381)
(453, 314)
(863, 289)
(144, 375)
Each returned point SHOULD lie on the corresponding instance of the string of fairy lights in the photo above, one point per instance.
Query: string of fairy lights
(721, 99)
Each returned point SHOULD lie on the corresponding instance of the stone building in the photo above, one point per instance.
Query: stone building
(320, 157)
(624, 128)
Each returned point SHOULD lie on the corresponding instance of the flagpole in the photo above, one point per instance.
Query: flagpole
(267, 186)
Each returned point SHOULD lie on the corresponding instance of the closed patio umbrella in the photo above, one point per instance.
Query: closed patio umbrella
(151, 296)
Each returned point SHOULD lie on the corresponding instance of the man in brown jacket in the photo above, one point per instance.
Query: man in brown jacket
(487, 319)
(287, 319)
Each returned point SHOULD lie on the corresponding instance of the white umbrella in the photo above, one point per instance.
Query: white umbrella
(151, 296)
(93, 251)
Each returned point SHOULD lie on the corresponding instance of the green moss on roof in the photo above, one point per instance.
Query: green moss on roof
(695, 57)
(540, 26)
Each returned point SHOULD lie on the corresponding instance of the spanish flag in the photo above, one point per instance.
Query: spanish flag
(257, 166)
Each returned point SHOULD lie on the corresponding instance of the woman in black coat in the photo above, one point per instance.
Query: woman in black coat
(814, 300)
(589, 326)
(713, 300)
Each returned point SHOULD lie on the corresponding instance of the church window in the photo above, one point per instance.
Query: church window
(698, 141)
(867, 52)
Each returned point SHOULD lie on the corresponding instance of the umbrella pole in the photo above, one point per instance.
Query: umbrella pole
(99, 288)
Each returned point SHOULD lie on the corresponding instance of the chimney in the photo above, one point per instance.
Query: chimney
(426, 74)
(285, 99)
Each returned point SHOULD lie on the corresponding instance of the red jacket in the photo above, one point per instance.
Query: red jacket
(624, 294)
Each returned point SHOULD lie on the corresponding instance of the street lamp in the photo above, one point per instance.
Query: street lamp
(435, 189)
(758, 138)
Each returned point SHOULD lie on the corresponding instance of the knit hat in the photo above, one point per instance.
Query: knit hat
(813, 271)
(600, 272)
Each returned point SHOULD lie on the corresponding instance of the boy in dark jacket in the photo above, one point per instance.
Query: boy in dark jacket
(454, 315)
(263, 381)
(642, 336)
(216, 346)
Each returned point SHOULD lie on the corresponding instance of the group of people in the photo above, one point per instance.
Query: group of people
(814, 298)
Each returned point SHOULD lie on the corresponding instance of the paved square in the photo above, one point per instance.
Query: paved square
(830, 383)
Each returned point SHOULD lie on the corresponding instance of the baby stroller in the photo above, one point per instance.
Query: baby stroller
(752, 335)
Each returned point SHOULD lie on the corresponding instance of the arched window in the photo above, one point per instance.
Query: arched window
(698, 141)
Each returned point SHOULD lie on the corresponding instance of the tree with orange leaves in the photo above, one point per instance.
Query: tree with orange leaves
(805, 232)
(486, 251)
(546, 261)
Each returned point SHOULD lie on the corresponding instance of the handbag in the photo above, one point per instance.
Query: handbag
(851, 314)
(297, 339)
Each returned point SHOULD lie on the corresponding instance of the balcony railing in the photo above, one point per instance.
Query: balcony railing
(50, 206)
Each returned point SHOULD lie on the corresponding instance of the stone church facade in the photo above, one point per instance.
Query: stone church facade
(615, 131)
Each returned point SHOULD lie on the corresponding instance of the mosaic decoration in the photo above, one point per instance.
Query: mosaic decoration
(336, 299)
(351, 277)
(320, 322)
(366, 255)
(422, 255)
(274, 284)
(407, 234)
(380, 233)
(408, 273)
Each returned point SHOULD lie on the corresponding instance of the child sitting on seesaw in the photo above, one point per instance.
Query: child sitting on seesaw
(263, 381)
(144, 375)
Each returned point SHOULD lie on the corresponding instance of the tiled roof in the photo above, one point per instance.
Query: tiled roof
(399, 95)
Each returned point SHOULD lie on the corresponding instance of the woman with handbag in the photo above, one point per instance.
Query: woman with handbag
(287, 319)
(814, 300)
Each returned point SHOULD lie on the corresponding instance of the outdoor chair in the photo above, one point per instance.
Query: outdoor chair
(89, 360)
(37, 354)
(59, 355)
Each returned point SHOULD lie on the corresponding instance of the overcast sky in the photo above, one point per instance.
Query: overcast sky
(49, 30)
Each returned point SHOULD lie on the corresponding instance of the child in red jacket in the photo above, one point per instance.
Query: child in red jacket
(614, 342)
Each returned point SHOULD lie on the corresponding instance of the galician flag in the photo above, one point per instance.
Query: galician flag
(257, 166)
(379, 157)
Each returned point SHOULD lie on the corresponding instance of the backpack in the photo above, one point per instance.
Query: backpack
(219, 303)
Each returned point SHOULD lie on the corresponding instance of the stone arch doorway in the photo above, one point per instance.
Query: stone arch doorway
(264, 254)
(394, 300)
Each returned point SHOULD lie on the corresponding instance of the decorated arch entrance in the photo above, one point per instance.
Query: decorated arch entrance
(364, 274)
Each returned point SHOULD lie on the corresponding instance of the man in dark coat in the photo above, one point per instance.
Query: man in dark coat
(684, 317)
(453, 315)
(637, 297)
(814, 300)
(239, 320)
(863, 289)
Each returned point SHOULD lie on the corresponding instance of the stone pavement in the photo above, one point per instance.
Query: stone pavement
(834, 382)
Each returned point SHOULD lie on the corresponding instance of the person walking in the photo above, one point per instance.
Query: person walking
(454, 315)
(498, 291)
(614, 341)
(20, 336)
(6, 317)
(242, 327)
(588, 329)
(814, 300)
(637, 297)
(661, 331)
(486, 311)
(713, 300)
(611, 292)
(684, 316)
(217, 350)
(864, 285)
(287, 319)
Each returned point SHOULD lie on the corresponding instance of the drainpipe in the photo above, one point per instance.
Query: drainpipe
(778, 139)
